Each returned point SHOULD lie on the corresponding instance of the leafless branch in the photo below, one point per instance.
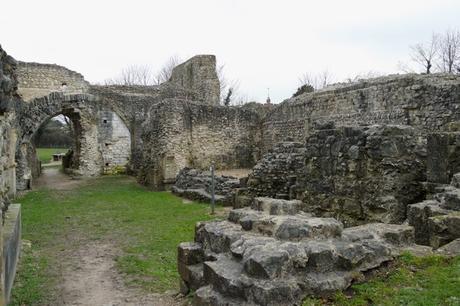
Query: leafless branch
(317, 81)
(449, 56)
(164, 74)
(424, 53)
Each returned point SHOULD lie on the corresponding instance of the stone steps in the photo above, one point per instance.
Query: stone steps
(274, 254)
(437, 221)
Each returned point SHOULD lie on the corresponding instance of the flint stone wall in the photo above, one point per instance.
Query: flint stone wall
(429, 102)
(38, 80)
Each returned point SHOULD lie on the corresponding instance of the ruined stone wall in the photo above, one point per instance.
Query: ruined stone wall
(200, 77)
(9, 252)
(38, 80)
(227, 136)
(131, 104)
(355, 174)
(426, 101)
(8, 133)
(115, 142)
(180, 134)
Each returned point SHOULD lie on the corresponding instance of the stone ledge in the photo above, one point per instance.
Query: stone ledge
(11, 247)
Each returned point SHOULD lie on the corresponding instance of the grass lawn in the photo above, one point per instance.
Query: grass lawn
(147, 227)
(45, 154)
(430, 281)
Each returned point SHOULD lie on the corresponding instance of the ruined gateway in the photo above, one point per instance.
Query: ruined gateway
(342, 179)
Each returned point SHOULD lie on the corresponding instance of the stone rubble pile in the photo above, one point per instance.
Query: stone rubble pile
(195, 184)
(272, 253)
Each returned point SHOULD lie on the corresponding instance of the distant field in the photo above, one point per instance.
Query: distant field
(45, 154)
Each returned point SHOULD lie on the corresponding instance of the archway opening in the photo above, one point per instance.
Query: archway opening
(55, 141)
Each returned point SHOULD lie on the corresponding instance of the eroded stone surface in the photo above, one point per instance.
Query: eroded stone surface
(437, 221)
(259, 258)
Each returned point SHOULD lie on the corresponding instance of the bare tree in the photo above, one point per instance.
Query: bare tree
(449, 51)
(405, 68)
(424, 53)
(229, 89)
(228, 97)
(222, 81)
(69, 125)
(144, 75)
(164, 74)
(133, 75)
(317, 81)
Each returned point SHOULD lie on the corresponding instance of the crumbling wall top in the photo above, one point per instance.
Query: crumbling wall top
(199, 75)
(38, 80)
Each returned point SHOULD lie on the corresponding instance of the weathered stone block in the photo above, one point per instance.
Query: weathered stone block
(295, 228)
(190, 253)
(277, 206)
(443, 229)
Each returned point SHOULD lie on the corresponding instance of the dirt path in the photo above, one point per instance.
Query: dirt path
(88, 274)
(90, 278)
(53, 178)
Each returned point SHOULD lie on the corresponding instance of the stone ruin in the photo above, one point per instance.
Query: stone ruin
(315, 217)
(343, 179)
(351, 176)
(197, 185)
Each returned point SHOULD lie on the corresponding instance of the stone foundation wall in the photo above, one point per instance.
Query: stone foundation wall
(426, 101)
(39, 80)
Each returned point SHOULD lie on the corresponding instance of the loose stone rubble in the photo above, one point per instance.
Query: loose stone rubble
(275, 254)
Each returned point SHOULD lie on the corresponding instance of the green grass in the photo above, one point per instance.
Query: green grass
(45, 154)
(432, 280)
(146, 226)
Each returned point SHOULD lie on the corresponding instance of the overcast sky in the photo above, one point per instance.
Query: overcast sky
(262, 43)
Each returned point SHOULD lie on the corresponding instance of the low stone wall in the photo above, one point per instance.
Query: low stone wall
(194, 184)
(11, 247)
